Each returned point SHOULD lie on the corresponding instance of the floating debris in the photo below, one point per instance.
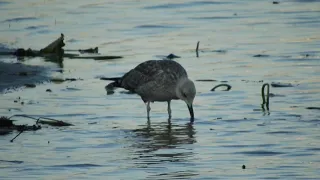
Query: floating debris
(261, 55)
(95, 57)
(220, 51)
(260, 81)
(273, 84)
(55, 47)
(220, 85)
(243, 167)
(313, 108)
(275, 2)
(56, 53)
(7, 125)
(90, 50)
(102, 57)
(172, 56)
(60, 80)
(73, 79)
(167, 57)
(30, 85)
(5, 122)
(48, 90)
(306, 55)
(22, 52)
(57, 80)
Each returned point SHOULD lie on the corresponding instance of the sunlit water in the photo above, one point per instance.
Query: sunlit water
(112, 139)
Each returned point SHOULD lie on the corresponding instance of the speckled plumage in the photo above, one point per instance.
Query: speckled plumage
(158, 80)
(154, 80)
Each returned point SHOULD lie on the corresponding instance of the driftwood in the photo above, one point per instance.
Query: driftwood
(7, 124)
(55, 49)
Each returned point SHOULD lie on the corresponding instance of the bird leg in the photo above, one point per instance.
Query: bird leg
(148, 109)
(169, 109)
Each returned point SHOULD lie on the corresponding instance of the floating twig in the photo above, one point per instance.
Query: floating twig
(197, 49)
(314, 108)
(96, 57)
(227, 85)
(273, 84)
(264, 101)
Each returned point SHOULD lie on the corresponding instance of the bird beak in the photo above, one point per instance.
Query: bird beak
(191, 111)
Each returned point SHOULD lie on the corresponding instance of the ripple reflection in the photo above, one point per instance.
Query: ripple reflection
(161, 147)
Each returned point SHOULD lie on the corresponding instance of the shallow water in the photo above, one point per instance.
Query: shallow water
(112, 138)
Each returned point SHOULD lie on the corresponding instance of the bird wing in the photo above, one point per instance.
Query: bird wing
(153, 70)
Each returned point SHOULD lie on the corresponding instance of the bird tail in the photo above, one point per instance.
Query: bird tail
(111, 86)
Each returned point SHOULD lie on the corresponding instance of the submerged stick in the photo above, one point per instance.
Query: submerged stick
(197, 49)
(16, 136)
(264, 101)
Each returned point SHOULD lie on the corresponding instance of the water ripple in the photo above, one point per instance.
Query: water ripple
(154, 26)
(260, 153)
(183, 5)
(217, 17)
(75, 166)
(18, 19)
(14, 162)
(283, 132)
(36, 27)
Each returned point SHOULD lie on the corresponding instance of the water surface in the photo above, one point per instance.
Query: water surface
(112, 138)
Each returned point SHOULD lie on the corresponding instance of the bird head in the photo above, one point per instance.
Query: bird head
(186, 91)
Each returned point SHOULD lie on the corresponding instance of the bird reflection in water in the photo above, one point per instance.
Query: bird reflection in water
(163, 135)
(164, 144)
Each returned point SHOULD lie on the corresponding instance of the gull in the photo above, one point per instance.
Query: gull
(158, 80)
